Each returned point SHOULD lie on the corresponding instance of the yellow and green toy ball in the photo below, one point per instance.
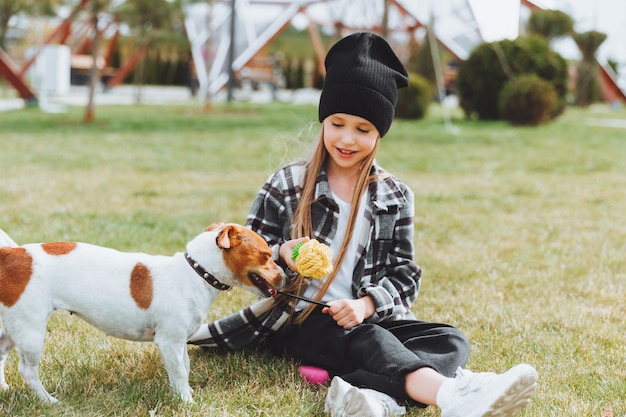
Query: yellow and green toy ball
(313, 259)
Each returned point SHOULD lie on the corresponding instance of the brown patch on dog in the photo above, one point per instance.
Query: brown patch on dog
(16, 268)
(58, 248)
(141, 286)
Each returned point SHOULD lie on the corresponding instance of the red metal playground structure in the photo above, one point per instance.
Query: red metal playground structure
(83, 33)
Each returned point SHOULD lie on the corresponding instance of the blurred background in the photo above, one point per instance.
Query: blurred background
(224, 50)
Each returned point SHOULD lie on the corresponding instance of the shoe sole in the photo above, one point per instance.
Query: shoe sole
(516, 397)
(334, 399)
(363, 402)
(356, 404)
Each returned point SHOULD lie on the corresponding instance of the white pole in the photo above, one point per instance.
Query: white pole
(434, 50)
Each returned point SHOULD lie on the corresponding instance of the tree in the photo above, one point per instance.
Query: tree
(550, 24)
(413, 101)
(152, 22)
(527, 100)
(491, 65)
(94, 8)
(8, 9)
(421, 62)
(11, 8)
(587, 81)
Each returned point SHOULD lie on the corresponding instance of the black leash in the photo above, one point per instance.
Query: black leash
(308, 300)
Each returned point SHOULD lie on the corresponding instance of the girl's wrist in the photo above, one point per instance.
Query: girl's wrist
(370, 307)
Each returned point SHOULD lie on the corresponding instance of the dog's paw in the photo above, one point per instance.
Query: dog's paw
(49, 400)
(187, 398)
(185, 394)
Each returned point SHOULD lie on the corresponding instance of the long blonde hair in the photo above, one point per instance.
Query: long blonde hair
(302, 224)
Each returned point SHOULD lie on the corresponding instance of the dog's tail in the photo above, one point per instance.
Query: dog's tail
(5, 240)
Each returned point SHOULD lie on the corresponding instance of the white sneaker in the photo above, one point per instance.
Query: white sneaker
(362, 402)
(335, 396)
(346, 400)
(487, 394)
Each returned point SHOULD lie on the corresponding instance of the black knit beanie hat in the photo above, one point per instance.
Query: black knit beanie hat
(363, 75)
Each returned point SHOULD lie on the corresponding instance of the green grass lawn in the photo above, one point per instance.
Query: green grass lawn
(521, 233)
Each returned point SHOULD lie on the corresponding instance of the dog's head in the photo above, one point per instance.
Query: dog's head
(246, 258)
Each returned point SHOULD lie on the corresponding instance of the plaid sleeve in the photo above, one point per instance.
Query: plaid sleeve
(396, 286)
(272, 210)
(269, 216)
(242, 328)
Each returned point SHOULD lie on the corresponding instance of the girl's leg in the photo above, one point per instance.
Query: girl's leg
(430, 382)
(315, 342)
(458, 392)
(384, 354)
(423, 385)
(371, 355)
(441, 346)
(410, 360)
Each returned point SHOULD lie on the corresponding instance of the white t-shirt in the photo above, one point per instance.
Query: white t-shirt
(342, 284)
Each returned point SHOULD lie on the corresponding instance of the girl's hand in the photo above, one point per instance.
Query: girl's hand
(350, 313)
(286, 250)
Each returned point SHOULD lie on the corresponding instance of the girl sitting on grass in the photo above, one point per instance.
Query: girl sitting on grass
(366, 339)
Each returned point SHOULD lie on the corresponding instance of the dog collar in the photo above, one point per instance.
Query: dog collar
(210, 279)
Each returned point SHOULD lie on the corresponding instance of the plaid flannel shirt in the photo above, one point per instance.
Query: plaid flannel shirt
(385, 269)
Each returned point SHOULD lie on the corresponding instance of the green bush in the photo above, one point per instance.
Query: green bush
(588, 88)
(528, 100)
(413, 101)
(491, 65)
(551, 24)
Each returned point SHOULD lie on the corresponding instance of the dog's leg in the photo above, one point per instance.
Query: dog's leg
(187, 364)
(6, 344)
(29, 340)
(176, 360)
(29, 369)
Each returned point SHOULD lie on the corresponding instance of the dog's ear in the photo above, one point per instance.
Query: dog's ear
(214, 226)
(223, 237)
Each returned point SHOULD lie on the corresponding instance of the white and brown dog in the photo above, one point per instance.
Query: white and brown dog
(132, 296)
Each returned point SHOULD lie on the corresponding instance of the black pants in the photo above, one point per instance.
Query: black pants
(376, 356)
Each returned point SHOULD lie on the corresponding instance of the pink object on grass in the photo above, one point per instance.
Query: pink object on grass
(313, 375)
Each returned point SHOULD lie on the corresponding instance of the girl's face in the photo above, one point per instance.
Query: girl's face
(348, 140)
